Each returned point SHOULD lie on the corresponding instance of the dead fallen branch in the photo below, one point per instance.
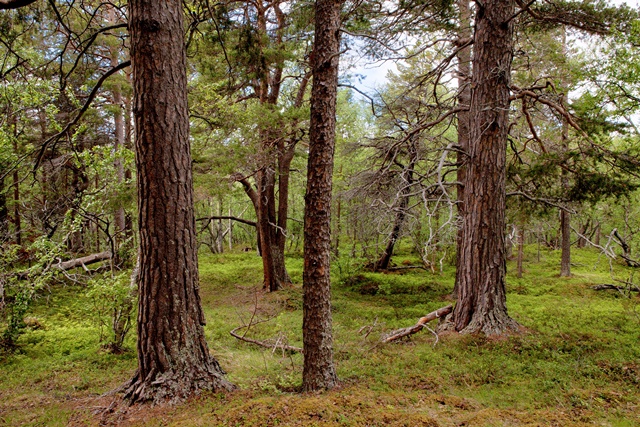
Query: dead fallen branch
(68, 265)
(626, 250)
(406, 267)
(422, 323)
(630, 262)
(84, 261)
(609, 286)
(270, 344)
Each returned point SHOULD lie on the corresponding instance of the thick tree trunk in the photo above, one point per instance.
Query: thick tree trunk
(464, 99)
(317, 335)
(481, 301)
(173, 356)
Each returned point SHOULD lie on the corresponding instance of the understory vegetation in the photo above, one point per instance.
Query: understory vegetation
(575, 363)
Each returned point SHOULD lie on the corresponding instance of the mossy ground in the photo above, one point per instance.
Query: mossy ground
(577, 363)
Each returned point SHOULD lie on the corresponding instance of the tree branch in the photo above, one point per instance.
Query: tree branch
(14, 4)
(395, 335)
(83, 110)
(233, 218)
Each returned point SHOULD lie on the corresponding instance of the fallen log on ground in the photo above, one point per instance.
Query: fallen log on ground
(406, 267)
(607, 286)
(70, 264)
(83, 261)
(404, 332)
(274, 345)
(630, 262)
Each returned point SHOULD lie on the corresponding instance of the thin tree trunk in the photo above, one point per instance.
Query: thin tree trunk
(317, 335)
(464, 99)
(481, 301)
(338, 222)
(230, 231)
(17, 222)
(565, 231)
(173, 356)
(565, 217)
(401, 213)
(119, 141)
(4, 215)
(520, 249)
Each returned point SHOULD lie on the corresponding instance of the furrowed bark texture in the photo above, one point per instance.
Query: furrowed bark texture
(464, 99)
(173, 357)
(319, 372)
(481, 303)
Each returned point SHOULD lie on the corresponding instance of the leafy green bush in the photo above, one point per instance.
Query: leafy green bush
(114, 299)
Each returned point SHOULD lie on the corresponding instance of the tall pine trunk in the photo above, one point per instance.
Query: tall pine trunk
(481, 301)
(173, 356)
(565, 217)
(317, 335)
(464, 99)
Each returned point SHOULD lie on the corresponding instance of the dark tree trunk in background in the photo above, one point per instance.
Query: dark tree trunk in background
(276, 151)
(481, 301)
(4, 214)
(520, 250)
(464, 99)
(319, 372)
(120, 221)
(565, 217)
(401, 209)
(173, 356)
(565, 231)
(17, 222)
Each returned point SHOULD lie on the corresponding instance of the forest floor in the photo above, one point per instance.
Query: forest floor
(576, 364)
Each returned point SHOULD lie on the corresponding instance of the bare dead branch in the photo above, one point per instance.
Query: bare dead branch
(14, 4)
(404, 332)
(609, 286)
(266, 344)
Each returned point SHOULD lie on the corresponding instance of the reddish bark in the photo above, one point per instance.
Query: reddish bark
(319, 371)
(481, 300)
(173, 357)
(464, 99)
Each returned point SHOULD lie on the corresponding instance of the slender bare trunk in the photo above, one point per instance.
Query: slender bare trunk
(317, 335)
(401, 209)
(565, 217)
(520, 249)
(17, 222)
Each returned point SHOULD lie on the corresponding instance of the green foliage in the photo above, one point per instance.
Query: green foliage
(23, 287)
(577, 358)
(113, 300)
